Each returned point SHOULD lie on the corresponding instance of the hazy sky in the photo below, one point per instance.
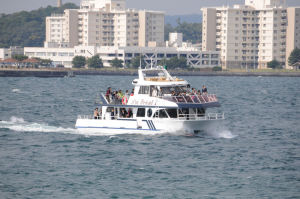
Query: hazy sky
(171, 7)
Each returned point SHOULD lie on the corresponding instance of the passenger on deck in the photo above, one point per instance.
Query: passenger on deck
(123, 113)
(154, 92)
(108, 93)
(129, 115)
(132, 92)
(204, 90)
(113, 96)
(112, 114)
(120, 96)
(127, 94)
(96, 113)
(160, 92)
(194, 91)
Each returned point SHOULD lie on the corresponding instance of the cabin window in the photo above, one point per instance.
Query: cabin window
(149, 112)
(200, 112)
(144, 90)
(140, 112)
(172, 113)
(163, 114)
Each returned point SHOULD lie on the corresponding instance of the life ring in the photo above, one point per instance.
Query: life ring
(124, 100)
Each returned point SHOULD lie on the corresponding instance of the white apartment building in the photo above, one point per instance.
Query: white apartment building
(293, 32)
(247, 36)
(104, 23)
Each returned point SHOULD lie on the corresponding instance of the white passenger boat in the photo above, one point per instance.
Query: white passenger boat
(160, 103)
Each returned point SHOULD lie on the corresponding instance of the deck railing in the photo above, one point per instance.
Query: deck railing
(192, 99)
(182, 99)
(208, 116)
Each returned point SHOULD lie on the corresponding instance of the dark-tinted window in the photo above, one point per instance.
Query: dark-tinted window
(140, 112)
(163, 114)
(149, 112)
(172, 113)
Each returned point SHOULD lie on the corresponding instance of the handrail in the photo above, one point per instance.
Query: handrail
(181, 99)
(193, 99)
(208, 116)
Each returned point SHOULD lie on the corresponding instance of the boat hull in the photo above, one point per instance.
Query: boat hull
(143, 126)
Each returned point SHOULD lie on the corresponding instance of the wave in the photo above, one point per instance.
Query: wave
(19, 124)
(16, 90)
(225, 134)
(220, 131)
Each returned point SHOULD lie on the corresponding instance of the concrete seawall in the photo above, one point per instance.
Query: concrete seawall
(63, 73)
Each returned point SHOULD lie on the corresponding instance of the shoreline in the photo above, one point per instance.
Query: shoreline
(52, 73)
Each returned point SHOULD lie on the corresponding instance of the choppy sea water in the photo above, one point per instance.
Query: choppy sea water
(254, 153)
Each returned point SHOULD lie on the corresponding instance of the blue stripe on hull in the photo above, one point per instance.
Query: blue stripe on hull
(89, 127)
(148, 123)
(152, 124)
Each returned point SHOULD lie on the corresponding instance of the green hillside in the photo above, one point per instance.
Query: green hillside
(27, 28)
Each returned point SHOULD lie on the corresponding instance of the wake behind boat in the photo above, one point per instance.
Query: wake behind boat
(159, 103)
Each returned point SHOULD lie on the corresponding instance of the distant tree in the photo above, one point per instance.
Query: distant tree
(95, 62)
(176, 62)
(274, 64)
(78, 61)
(137, 61)
(294, 57)
(217, 68)
(46, 62)
(168, 28)
(117, 63)
(20, 57)
(191, 31)
(163, 62)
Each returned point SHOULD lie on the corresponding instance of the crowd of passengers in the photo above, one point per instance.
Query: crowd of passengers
(191, 92)
(118, 97)
(123, 113)
(187, 92)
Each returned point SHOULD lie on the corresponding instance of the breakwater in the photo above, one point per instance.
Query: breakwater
(63, 73)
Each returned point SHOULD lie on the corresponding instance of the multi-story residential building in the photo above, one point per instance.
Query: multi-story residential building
(247, 36)
(293, 32)
(104, 23)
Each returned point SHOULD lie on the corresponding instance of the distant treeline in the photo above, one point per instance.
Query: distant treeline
(28, 28)
(192, 32)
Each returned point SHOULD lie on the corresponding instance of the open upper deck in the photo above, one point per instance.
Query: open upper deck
(182, 101)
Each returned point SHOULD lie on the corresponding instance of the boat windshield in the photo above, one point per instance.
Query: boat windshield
(154, 73)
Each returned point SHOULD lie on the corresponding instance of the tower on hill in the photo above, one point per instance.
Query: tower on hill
(59, 3)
